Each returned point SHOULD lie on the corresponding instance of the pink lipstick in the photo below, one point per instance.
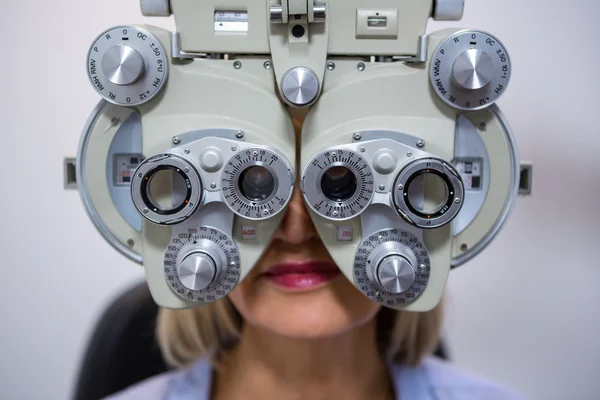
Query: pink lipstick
(302, 276)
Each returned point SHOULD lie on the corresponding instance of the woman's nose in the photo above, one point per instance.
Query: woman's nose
(296, 226)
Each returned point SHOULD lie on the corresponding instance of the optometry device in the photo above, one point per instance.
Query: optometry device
(407, 165)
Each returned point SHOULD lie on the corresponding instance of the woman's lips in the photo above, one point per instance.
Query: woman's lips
(302, 276)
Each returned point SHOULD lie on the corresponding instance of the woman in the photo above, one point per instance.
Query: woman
(296, 328)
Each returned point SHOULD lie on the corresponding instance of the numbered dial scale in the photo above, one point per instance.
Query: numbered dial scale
(202, 264)
(392, 267)
(470, 70)
(127, 65)
(338, 184)
(257, 183)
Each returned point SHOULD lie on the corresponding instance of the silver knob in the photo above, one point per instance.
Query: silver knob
(395, 274)
(276, 13)
(448, 10)
(123, 65)
(197, 271)
(320, 12)
(473, 69)
(155, 8)
(300, 86)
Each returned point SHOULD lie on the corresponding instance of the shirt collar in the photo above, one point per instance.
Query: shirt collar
(196, 381)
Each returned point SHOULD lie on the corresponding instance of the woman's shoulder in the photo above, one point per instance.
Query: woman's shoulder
(439, 379)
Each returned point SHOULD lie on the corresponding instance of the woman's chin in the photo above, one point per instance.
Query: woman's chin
(318, 310)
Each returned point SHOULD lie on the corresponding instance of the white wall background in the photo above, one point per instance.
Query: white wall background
(525, 312)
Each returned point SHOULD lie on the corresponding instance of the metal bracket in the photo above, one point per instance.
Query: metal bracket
(526, 178)
(421, 56)
(70, 173)
(281, 13)
(177, 53)
(192, 136)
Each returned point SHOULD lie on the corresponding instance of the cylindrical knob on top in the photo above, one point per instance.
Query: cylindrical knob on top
(300, 86)
(320, 11)
(155, 8)
(395, 274)
(473, 69)
(448, 10)
(276, 13)
(123, 65)
(197, 271)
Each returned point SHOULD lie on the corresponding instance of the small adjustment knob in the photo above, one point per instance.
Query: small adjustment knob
(385, 161)
(197, 271)
(473, 69)
(155, 8)
(211, 159)
(300, 86)
(122, 65)
(395, 274)
(448, 10)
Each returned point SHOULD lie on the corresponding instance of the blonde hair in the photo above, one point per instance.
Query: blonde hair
(209, 331)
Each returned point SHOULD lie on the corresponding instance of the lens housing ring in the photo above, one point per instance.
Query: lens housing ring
(451, 206)
(283, 181)
(153, 212)
(314, 171)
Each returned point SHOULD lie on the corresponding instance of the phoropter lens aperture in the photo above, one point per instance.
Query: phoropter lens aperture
(427, 192)
(166, 190)
(256, 183)
(339, 184)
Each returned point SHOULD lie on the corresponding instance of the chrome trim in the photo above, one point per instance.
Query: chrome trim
(84, 194)
(179, 54)
(421, 55)
(509, 205)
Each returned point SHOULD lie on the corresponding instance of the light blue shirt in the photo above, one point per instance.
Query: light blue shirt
(434, 379)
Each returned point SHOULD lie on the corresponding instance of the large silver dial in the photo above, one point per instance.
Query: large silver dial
(127, 65)
(470, 70)
(392, 267)
(257, 183)
(202, 264)
(338, 184)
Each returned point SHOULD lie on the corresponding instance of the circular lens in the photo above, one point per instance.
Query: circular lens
(338, 184)
(166, 189)
(428, 193)
(256, 183)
